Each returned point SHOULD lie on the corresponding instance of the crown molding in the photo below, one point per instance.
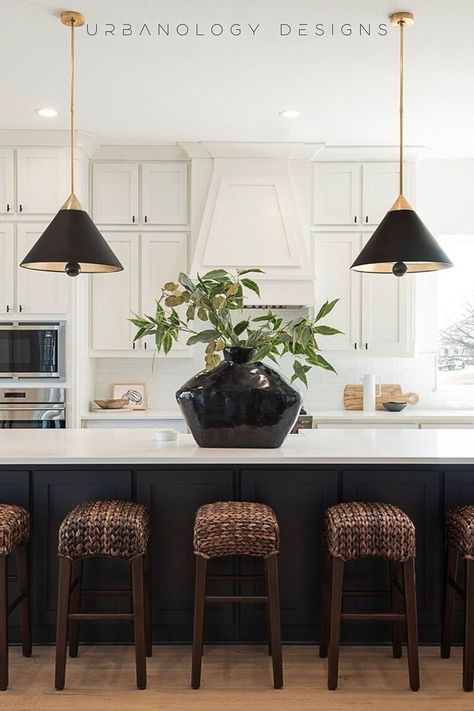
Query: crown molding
(252, 149)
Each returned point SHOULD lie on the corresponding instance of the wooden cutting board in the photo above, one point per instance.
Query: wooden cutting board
(353, 396)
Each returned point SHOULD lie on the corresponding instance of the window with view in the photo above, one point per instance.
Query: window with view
(456, 314)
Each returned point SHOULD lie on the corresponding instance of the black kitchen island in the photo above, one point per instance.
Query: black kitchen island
(425, 472)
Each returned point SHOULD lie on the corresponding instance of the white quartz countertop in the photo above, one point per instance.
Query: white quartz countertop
(138, 446)
(409, 414)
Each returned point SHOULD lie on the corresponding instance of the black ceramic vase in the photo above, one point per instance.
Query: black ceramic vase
(239, 403)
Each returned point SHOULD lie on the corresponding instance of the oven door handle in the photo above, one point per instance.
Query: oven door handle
(32, 413)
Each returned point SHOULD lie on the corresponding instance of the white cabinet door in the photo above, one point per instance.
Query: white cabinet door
(42, 185)
(7, 256)
(115, 193)
(38, 292)
(380, 189)
(337, 190)
(164, 256)
(387, 314)
(164, 193)
(114, 297)
(334, 253)
(7, 197)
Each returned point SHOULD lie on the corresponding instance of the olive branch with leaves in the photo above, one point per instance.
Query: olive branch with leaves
(212, 298)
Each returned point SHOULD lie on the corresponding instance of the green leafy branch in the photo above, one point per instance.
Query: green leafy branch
(212, 299)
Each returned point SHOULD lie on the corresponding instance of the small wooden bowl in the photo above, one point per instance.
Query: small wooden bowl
(111, 404)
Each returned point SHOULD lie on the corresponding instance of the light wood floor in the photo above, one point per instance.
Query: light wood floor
(234, 679)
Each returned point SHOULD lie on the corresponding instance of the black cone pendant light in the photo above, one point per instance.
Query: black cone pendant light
(401, 243)
(72, 243)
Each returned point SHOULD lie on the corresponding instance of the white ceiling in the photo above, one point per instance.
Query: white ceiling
(146, 90)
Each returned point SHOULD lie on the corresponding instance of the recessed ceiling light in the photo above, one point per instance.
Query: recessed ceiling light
(47, 112)
(290, 113)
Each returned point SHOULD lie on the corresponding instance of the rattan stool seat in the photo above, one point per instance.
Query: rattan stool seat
(460, 530)
(14, 527)
(120, 529)
(361, 530)
(235, 528)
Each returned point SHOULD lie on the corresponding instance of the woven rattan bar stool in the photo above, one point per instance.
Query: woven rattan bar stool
(361, 530)
(117, 529)
(229, 528)
(14, 535)
(460, 539)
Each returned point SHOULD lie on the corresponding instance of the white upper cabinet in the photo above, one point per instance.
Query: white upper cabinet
(375, 311)
(380, 189)
(164, 256)
(115, 193)
(334, 254)
(38, 292)
(337, 193)
(7, 191)
(357, 193)
(7, 255)
(114, 297)
(42, 185)
(164, 193)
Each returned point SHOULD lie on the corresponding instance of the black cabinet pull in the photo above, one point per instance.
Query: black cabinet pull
(366, 219)
(145, 345)
(366, 346)
(355, 219)
(21, 207)
(355, 346)
(133, 218)
(8, 309)
(146, 219)
(8, 207)
(20, 308)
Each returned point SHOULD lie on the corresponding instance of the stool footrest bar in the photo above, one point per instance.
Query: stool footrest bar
(236, 598)
(373, 616)
(105, 616)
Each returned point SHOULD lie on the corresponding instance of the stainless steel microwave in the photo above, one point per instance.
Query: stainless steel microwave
(32, 350)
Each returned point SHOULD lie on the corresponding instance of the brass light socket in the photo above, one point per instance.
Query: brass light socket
(408, 18)
(70, 17)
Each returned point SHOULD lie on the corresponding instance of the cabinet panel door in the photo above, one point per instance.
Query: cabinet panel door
(41, 180)
(164, 256)
(337, 193)
(7, 256)
(380, 189)
(56, 493)
(298, 499)
(334, 253)
(38, 292)
(114, 299)
(173, 497)
(115, 193)
(164, 193)
(387, 314)
(7, 196)
(417, 493)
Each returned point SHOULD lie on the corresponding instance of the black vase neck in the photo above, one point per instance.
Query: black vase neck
(239, 355)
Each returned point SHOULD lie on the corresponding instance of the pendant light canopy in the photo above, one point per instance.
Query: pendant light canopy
(72, 243)
(401, 243)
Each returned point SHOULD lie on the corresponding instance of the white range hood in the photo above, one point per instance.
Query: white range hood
(250, 218)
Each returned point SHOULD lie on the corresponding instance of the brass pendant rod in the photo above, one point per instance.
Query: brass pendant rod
(402, 25)
(73, 22)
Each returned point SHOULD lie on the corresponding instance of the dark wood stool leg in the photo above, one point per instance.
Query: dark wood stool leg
(325, 607)
(198, 624)
(271, 565)
(269, 627)
(412, 623)
(139, 620)
(468, 651)
(449, 600)
(147, 583)
(3, 624)
(337, 575)
(24, 588)
(75, 606)
(397, 606)
(64, 585)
